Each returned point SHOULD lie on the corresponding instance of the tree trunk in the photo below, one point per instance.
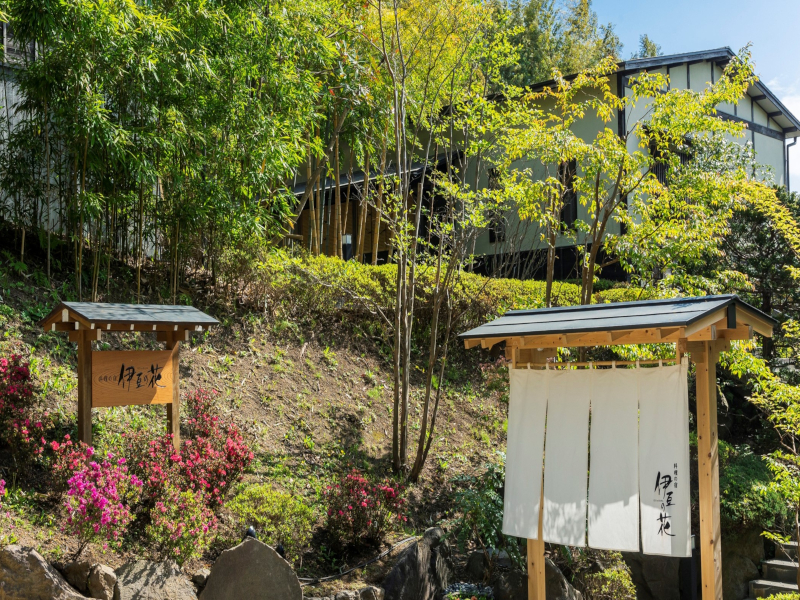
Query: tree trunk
(363, 209)
(336, 229)
(376, 218)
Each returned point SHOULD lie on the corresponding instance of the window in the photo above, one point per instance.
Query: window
(497, 224)
(567, 171)
(661, 169)
(14, 52)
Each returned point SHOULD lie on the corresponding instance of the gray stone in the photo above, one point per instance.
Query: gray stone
(422, 571)
(346, 595)
(251, 570)
(28, 576)
(370, 593)
(102, 581)
(655, 577)
(513, 585)
(77, 575)
(148, 580)
(201, 578)
(480, 564)
(741, 555)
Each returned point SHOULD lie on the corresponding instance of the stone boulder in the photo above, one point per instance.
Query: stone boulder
(200, 578)
(148, 580)
(478, 563)
(251, 570)
(102, 581)
(423, 570)
(655, 577)
(513, 585)
(77, 575)
(28, 576)
(741, 555)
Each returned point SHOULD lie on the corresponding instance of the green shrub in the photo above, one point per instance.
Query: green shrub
(479, 509)
(613, 583)
(783, 597)
(745, 500)
(278, 517)
(181, 525)
(324, 286)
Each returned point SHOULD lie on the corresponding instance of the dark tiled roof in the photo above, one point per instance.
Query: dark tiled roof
(673, 312)
(99, 312)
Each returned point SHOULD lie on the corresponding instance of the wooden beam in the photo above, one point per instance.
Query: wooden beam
(707, 321)
(471, 343)
(174, 409)
(704, 355)
(85, 387)
(603, 338)
(488, 343)
(761, 326)
(543, 341)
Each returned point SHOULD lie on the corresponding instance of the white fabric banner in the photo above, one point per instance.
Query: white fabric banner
(614, 472)
(527, 410)
(566, 457)
(664, 461)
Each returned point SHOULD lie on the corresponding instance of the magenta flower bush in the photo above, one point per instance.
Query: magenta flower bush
(99, 499)
(210, 460)
(2, 490)
(181, 525)
(361, 510)
(16, 389)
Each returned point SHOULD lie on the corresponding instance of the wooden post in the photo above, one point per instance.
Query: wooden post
(704, 355)
(85, 386)
(174, 408)
(536, 558)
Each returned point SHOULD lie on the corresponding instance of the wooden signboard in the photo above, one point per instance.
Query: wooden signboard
(122, 378)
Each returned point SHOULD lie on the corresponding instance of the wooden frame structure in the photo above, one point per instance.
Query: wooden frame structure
(702, 327)
(87, 321)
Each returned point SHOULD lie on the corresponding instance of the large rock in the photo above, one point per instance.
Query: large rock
(251, 570)
(77, 575)
(513, 585)
(655, 577)
(27, 576)
(422, 571)
(480, 561)
(741, 555)
(148, 580)
(102, 581)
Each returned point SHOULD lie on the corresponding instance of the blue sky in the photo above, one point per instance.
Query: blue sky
(684, 26)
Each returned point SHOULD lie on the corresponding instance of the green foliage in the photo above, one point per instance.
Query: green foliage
(479, 510)
(278, 517)
(746, 498)
(789, 596)
(612, 583)
(181, 525)
(308, 286)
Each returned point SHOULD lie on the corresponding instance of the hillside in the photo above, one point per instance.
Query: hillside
(312, 399)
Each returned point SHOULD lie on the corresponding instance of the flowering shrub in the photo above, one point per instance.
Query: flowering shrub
(16, 389)
(359, 510)
(209, 463)
(20, 429)
(68, 458)
(99, 496)
(279, 518)
(2, 490)
(181, 524)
